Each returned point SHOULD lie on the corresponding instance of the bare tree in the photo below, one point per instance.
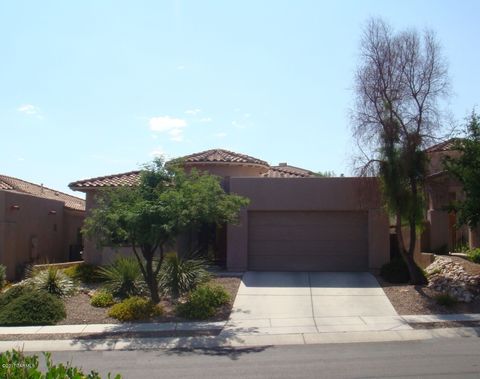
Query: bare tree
(400, 80)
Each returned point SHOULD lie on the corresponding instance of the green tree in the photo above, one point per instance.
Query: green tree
(399, 82)
(150, 216)
(325, 174)
(466, 168)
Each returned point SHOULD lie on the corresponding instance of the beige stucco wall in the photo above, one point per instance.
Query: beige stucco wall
(441, 190)
(286, 194)
(72, 224)
(436, 160)
(30, 234)
(309, 194)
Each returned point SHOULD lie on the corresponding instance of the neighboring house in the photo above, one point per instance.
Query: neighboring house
(37, 225)
(442, 234)
(295, 221)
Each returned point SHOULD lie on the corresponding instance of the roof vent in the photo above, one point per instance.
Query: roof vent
(282, 164)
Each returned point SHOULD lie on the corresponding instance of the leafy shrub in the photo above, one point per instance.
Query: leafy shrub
(135, 308)
(52, 280)
(14, 364)
(474, 255)
(83, 272)
(3, 276)
(32, 307)
(461, 248)
(14, 292)
(446, 300)
(395, 271)
(203, 302)
(102, 299)
(179, 276)
(123, 277)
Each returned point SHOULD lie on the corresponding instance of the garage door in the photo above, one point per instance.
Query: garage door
(308, 241)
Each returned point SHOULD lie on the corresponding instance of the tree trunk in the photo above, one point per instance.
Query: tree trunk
(152, 281)
(149, 275)
(416, 274)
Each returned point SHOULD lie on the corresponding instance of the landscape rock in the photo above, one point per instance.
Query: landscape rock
(449, 277)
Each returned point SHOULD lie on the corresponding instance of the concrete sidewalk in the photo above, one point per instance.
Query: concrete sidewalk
(231, 328)
(235, 341)
(89, 329)
(229, 337)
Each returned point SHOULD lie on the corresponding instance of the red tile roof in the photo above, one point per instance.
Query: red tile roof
(9, 183)
(443, 146)
(129, 179)
(222, 156)
(285, 171)
(126, 179)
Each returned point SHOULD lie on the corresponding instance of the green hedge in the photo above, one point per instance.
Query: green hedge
(203, 302)
(30, 307)
(135, 308)
(102, 299)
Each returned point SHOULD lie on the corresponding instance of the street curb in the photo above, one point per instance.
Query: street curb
(89, 329)
(231, 341)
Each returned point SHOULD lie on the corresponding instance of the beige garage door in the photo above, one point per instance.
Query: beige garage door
(308, 241)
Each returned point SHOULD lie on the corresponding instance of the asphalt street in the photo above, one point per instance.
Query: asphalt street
(437, 358)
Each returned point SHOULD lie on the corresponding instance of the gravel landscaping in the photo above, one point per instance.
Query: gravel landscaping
(79, 310)
(410, 300)
(444, 324)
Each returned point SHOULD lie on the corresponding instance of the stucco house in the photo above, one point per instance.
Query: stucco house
(296, 221)
(37, 224)
(442, 234)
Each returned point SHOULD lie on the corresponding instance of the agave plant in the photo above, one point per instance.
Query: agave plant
(52, 280)
(178, 276)
(123, 277)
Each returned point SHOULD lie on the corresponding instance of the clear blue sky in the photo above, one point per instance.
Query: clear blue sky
(90, 88)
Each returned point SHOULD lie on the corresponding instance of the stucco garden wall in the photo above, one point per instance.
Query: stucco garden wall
(33, 230)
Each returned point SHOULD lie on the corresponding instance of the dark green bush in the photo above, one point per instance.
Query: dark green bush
(395, 271)
(123, 277)
(12, 293)
(102, 299)
(203, 302)
(474, 255)
(83, 272)
(135, 308)
(32, 307)
(446, 300)
(179, 276)
(3, 276)
(15, 365)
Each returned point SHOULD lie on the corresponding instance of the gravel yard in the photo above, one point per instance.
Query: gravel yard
(79, 310)
(409, 300)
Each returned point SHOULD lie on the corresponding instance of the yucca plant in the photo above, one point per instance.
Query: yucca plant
(178, 276)
(123, 277)
(52, 280)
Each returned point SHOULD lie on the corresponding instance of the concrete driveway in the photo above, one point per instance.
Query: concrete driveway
(311, 302)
